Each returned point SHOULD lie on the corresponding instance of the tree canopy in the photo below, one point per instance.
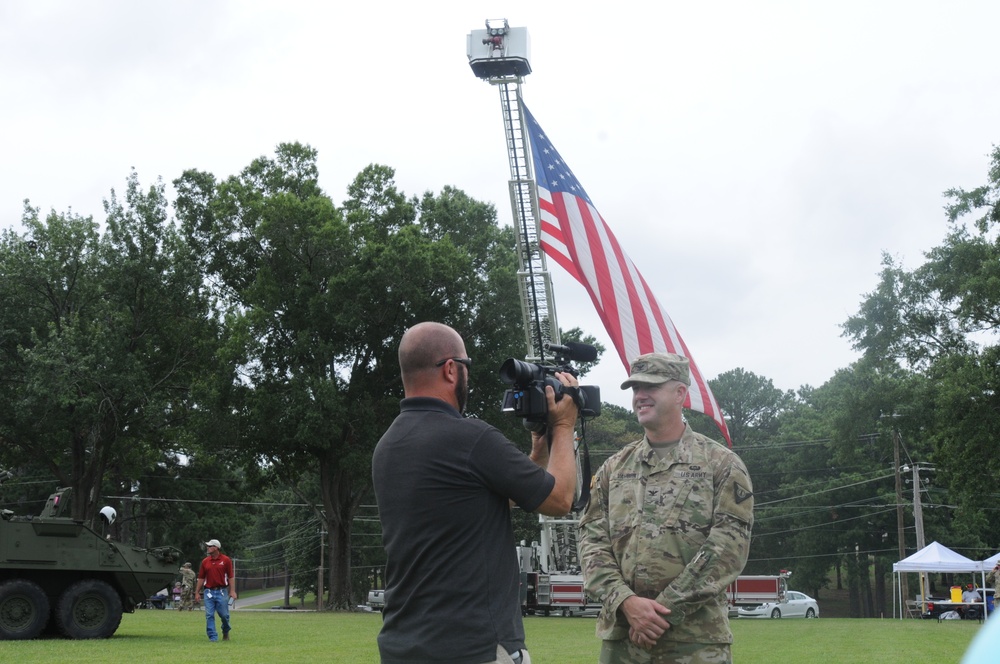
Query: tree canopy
(104, 332)
(227, 372)
(316, 297)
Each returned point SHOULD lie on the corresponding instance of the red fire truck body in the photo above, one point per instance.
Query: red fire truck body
(755, 590)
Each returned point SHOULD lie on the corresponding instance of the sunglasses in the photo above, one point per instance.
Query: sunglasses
(461, 360)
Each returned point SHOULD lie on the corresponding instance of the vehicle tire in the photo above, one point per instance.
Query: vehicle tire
(776, 613)
(24, 609)
(810, 613)
(89, 609)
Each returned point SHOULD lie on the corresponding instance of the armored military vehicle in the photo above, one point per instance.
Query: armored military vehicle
(61, 573)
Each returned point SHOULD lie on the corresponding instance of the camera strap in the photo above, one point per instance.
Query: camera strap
(583, 453)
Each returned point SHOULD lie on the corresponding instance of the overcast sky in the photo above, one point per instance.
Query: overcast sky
(753, 158)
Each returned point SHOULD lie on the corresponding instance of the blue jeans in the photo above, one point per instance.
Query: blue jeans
(216, 599)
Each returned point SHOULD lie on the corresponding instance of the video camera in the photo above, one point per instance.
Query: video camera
(526, 398)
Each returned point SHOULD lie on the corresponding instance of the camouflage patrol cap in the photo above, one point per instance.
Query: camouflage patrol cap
(656, 368)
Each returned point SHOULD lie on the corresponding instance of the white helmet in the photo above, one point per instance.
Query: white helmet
(109, 514)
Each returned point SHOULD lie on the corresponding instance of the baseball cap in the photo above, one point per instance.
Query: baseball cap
(214, 543)
(656, 368)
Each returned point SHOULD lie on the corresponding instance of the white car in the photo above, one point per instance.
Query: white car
(796, 605)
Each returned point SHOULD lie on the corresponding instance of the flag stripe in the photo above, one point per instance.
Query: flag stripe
(574, 235)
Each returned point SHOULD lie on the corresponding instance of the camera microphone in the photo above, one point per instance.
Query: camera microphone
(575, 351)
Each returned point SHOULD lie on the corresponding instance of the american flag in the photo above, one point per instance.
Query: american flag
(574, 235)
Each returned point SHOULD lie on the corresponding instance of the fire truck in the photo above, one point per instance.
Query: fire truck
(756, 590)
(558, 593)
(550, 569)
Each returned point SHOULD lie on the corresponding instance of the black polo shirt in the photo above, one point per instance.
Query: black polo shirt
(443, 485)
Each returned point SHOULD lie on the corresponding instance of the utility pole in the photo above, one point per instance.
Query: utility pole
(319, 578)
(918, 519)
(918, 510)
(899, 513)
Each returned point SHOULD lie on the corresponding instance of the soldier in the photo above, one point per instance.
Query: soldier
(666, 531)
(994, 576)
(188, 578)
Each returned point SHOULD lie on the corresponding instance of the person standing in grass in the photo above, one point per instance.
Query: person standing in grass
(188, 579)
(666, 531)
(994, 576)
(216, 576)
(444, 484)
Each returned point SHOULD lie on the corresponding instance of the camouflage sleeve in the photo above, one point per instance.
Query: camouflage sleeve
(724, 554)
(602, 575)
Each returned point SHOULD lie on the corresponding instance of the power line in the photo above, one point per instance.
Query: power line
(816, 493)
(823, 525)
(206, 502)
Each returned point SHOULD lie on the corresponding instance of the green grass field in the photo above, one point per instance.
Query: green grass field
(173, 637)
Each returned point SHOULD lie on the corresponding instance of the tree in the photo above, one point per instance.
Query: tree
(317, 297)
(940, 321)
(103, 336)
(751, 404)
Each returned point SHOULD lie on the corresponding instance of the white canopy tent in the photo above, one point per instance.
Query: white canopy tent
(935, 557)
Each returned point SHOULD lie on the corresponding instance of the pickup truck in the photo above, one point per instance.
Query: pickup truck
(376, 599)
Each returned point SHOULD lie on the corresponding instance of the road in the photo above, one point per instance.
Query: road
(274, 597)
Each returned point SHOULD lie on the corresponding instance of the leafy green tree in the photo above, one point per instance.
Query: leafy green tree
(185, 501)
(317, 297)
(103, 335)
(751, 404)
(940, 320)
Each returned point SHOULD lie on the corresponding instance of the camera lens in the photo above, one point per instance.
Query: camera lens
(516, 372)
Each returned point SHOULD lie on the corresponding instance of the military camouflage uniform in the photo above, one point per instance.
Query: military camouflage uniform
(676, 530)
(994, 575)
(188, 578)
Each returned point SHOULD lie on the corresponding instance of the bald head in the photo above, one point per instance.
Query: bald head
(423, 346)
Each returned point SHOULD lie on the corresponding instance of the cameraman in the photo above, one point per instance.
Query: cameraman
(444, 486)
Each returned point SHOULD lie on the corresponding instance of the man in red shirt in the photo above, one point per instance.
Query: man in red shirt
(216, 576)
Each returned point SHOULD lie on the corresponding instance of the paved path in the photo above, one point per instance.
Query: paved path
(274, 597)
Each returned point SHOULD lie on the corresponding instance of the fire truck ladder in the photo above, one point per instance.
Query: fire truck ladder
(558, 541)
(538, 310)
(499, 55)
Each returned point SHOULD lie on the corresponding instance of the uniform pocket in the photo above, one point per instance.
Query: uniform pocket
(673, 501)
(624, 497)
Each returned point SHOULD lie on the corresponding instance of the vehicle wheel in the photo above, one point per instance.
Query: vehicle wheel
(810, 613)
(24, 609)
(776, 613)
(89, 609)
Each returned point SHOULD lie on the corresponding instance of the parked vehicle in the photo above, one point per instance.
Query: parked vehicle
(795, 605)
(558, 593)
(58, 570)
(376, 599)
(752, 591)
